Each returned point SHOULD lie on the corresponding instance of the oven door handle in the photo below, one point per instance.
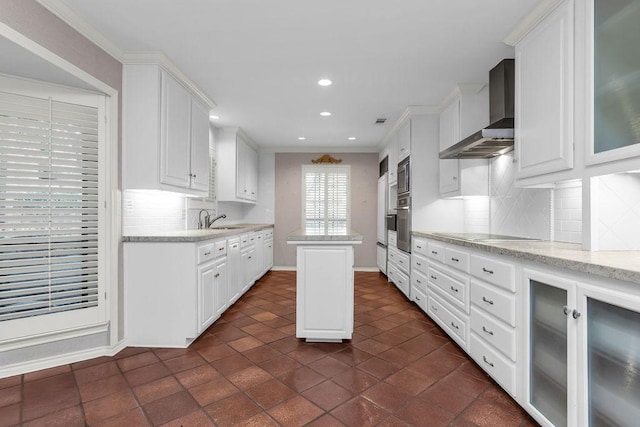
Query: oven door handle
(403, 208)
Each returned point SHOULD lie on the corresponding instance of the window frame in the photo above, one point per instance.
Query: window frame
(324, 169)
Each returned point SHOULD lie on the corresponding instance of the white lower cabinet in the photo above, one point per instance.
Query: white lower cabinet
(381, 258)
(582, 350)
(173, 291)
(398, 269)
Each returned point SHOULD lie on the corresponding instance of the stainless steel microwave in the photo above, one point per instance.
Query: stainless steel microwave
(403, 176)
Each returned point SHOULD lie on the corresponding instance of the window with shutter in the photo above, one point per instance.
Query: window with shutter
(326, 198)
(49, 210)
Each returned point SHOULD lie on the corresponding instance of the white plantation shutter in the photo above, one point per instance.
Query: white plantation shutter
(48, 206)
(326, 198)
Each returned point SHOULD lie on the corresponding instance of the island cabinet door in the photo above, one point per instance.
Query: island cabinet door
(324, 292)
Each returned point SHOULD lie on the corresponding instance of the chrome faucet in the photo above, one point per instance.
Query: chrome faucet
(200, 222)
(208, 222)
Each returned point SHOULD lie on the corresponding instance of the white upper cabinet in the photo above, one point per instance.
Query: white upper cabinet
(612, 81)
(166, 129)
(237, 167)
(404, 140)
(467, 113)
(544, 113)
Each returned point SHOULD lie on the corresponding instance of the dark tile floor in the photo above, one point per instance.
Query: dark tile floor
(248, 369)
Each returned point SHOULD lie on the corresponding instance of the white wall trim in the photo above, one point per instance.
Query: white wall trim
(157, 57)
(51, 362)
(367, 269)
(79, 24)
(319, 149)
(283, 268)
(29, 341)
(533, 18)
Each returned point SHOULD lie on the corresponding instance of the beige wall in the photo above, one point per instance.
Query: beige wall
(288, 203)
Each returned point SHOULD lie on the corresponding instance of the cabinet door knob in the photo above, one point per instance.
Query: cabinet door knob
(575, 314)
(565, 309)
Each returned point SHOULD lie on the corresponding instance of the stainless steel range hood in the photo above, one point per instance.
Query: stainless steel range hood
(497, 138)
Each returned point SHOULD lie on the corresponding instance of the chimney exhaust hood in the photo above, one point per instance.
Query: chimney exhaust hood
(497, 138)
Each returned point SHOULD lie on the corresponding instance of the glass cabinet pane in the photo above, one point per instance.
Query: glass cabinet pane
(548, 352)
(616, 74)
(614, 364)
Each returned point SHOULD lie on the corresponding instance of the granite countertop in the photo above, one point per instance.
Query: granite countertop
(313, 235)
(195, 235)
(621, 265)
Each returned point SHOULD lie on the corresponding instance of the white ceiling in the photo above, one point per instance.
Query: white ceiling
(260, 60)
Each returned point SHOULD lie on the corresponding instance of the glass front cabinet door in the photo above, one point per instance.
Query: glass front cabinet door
(582, 357)
(614, 34)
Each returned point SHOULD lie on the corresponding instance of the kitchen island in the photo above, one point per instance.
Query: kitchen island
(324, 283)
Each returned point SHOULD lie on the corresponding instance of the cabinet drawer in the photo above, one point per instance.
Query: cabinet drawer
(403, 261)
(496, 365)
(419, 281)
(454, 286)
(453, 324)
(206, 252)
(497, 272)
(494, 301)
(418, 263)
(399, 279)
(392, 238)
(244, 240)
(220, 248)
(457, 259)
(268, 234)
(435, 251)
(418, 245)
(494, 332)
(420, 298)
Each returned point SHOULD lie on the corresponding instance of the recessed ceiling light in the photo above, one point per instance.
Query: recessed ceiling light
(325, 114)
(214, 117)
(352, 138)
(301, 138)
(324, 82)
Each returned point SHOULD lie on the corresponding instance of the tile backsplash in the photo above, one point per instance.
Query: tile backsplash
(152, 211)
(616, 212)
(539, 213)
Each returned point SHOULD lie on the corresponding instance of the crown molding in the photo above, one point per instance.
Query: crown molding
(411, 110)
(159, 58)
(75, 21)
(319, 149)
(533, 18)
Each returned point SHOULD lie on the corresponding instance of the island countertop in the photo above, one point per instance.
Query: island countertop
(303, 235)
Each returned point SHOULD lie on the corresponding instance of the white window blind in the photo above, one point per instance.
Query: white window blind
(326, 192)
(48, 206)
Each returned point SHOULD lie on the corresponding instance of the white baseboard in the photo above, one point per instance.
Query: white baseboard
(289, 268)
(367, 269)
(63, 359)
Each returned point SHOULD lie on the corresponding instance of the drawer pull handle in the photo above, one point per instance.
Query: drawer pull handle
(249, 257)
(485, 330)
(455, 259)
(434, 252)
(488, 301)
(487, 271)
(221, 249)
(207, 253)
(234, 246)
(454, 325)
(434, 277)
(454, 289)
(217, 275)
(486, 361)
(417, 298)
(418, 280)
(418, 246)
(418, 264)
(434, 308)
